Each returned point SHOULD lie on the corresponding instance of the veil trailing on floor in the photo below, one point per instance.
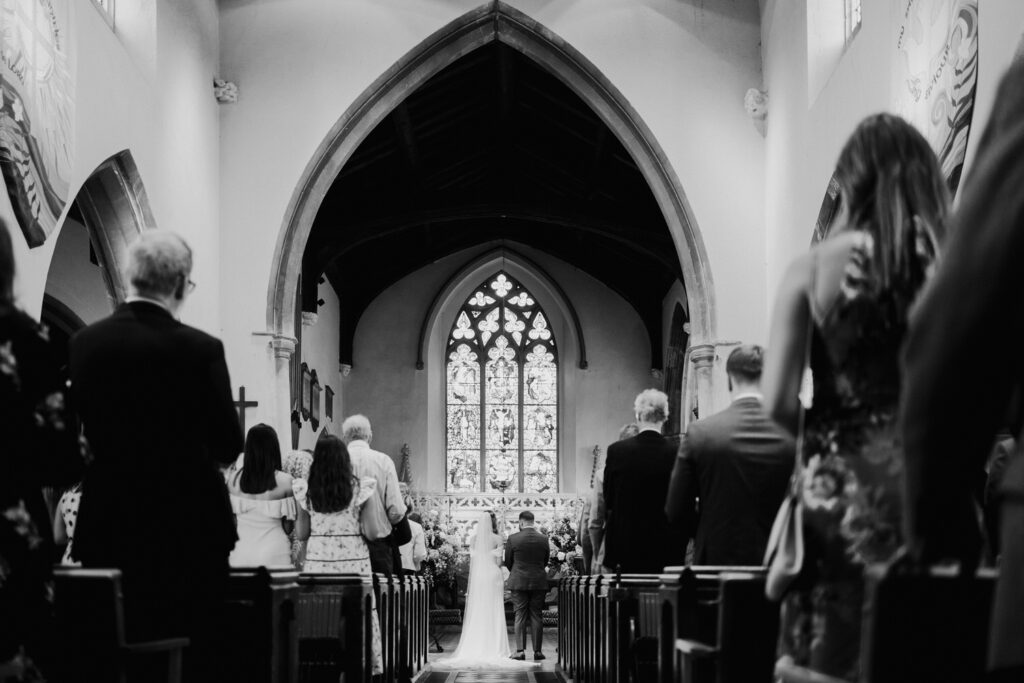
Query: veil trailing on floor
(484, 640)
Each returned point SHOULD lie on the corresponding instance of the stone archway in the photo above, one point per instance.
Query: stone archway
(491, 22)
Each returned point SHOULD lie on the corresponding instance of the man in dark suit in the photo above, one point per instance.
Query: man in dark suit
(526, 556)
(962, 374)
(638, 537)
(738, 463)
(155, 402)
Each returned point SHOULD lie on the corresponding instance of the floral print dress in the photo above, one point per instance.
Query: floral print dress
(39, 447)
(336, 545)
(852, 481)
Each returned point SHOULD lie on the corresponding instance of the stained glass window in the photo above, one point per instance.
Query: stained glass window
(502, 393)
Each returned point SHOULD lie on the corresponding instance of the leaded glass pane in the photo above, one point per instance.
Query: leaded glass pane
(540, 427)
(463, 427)
(463, 376)
(540, 472)
(464, 470)
(502, 469)
(541, 376)
(489, 325)
(502, 430)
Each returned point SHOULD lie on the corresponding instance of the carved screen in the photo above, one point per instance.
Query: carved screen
(502, 393)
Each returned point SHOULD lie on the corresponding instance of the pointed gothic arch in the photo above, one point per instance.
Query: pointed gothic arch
(494, 21)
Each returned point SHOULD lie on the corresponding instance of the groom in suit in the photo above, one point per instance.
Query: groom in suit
(526, 556)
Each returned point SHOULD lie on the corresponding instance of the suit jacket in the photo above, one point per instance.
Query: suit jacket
(156, 405)
(952, 409)
(638, 536)
(738, 463)
(526, 556)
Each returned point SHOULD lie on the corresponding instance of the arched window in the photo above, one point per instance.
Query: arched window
(502, 432)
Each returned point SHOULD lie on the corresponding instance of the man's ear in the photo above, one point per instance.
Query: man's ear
(179, 291)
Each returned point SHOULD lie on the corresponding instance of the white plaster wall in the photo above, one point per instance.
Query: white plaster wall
(161, 107)
(320, 353)
(74, 280)
(385, 385)
(804, 142)
(684, 66)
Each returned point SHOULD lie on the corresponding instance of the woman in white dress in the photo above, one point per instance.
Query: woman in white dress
(484, 640)
(262, 500)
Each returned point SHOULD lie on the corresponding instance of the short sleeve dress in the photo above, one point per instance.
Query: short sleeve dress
(68, 509)
(335, 545)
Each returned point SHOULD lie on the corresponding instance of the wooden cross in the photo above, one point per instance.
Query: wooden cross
(242, 404)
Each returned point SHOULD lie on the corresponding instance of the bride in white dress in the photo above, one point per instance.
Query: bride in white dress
(484, 640)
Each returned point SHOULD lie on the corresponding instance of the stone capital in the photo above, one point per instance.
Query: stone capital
(284, 347)
(702, 355)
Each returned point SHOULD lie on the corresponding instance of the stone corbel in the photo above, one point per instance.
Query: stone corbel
(284, 347)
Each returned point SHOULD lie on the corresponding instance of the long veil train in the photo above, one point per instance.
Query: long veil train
(484, 640)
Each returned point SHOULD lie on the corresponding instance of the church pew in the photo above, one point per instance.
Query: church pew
(746, 629)
(689, 609)
(929, 628)
(334, 627)
(401, 602)
(89, 612)
(259, 614)
(629, 626)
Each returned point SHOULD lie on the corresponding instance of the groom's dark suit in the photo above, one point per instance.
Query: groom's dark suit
(526, 556)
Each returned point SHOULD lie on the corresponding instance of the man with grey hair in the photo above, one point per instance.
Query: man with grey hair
(383, 510)
(637, 535)
(155, 402)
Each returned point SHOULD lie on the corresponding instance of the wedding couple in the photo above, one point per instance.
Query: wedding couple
(484, 641)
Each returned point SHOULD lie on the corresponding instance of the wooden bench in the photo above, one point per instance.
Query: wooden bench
(333, 627)
(745, 629)
(260, 620)
(90, 631)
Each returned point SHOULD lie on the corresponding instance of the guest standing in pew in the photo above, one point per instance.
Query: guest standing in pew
(297, 464)
(38, 447)
(385, 507)
(262, 500)
(155, 401)
(738, 463)
(330, 505)
(596, 512)
(952, 407)
(638, 536)
(849, 298)
(415, 551)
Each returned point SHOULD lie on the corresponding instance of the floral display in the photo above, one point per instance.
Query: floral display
(563, 546)
(443, 542)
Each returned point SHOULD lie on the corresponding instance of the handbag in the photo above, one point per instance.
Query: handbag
(784, 556)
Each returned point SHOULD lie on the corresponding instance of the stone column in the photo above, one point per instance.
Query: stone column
(283, 349)
(703, 358)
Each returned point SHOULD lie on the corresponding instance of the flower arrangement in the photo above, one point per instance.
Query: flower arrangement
(564, 548)
(442, 541)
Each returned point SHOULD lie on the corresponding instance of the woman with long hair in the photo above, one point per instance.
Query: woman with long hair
(328, 519)
(263, 503)
(845, 306)
(39, 447)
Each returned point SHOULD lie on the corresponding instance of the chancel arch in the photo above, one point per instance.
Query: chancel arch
(493, 23)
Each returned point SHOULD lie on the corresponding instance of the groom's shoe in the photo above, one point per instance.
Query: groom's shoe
(520, 654)
(537, 656)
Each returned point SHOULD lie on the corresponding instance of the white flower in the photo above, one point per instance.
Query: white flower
(561, 557)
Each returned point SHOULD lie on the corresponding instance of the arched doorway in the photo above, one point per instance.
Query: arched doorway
(85, 280)
(493, 22)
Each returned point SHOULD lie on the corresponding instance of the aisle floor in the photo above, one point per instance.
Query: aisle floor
(448, 636)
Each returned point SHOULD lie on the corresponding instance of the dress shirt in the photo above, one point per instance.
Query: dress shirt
(415, 551)
(386, 507)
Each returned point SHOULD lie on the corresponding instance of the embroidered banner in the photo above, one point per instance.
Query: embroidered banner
(37, 93)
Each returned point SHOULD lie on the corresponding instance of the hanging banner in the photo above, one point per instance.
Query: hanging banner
(935, 74)
(37, 94)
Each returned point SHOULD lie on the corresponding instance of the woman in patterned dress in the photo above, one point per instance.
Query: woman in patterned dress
(297, 464)
(328, 519)
(851, 296)
(64, 522)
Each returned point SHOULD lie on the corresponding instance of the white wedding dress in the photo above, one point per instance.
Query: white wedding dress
(484, 640)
